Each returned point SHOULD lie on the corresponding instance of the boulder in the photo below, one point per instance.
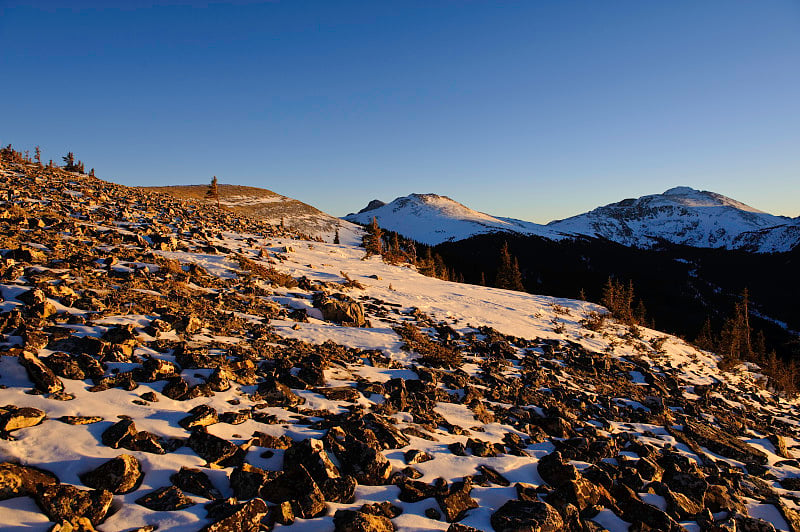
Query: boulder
(354, 521)
(168, 498)
(297, 486)
(555, 471)
(247, 480)
(42, 377)
(213, 449)
(195, 482)
(340, 308)
(276, 393)
(723, 443)
(119, 475)
(62, 502)
(118, 433)
(456, 500)
(199, 416)
(15, 418)
(515, 516)
(18, 480)
(244, 518)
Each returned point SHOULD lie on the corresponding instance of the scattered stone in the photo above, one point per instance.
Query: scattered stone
(168, 498)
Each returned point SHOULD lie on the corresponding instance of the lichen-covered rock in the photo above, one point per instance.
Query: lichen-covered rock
(353, 521)
(15, 418)
(62, 502)
(168, 498)
(18, 480)
(42, 377)
(118, 433)
(455, 501)
(195, 482)
(244, 518)
(515, 516)
(199, 416)
(215, 450)
(119, 475)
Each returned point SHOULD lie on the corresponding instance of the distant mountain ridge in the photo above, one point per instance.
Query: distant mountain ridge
(272, 208)
(680, 215)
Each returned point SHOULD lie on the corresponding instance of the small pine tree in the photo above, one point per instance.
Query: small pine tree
(213, 193)
(69, 162)
(705, 338)
(509, 276)
(37, 153)
(373, 240)
(336, 237)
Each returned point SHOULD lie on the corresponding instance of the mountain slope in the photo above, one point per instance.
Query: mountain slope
(195, 369)
(686, 216)
(433, 219)
(270, 207)
(680, 215)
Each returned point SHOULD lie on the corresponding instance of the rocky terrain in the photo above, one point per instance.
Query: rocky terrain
(167, 365)
(270, 207)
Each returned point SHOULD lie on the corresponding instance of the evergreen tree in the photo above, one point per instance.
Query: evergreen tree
(509, 276)
(213, 192)
(373, 240)
(69, 162)
(609, 297)
(336, 237)
(705, 339)
(38, 155)
(426, 264)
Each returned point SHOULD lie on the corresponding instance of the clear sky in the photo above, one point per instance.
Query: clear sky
(532, 109)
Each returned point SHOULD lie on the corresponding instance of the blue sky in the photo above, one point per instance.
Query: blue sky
(534, 110)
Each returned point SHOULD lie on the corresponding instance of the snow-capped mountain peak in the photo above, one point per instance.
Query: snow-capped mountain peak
(680, 215)
(683, 215)
(433, 219)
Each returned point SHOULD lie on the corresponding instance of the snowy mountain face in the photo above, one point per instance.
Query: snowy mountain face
(681, 215)
(272, 208)
(433, 219)
(173, 365)
(686, 216)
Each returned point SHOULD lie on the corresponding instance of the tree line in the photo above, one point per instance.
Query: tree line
(71, 164)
